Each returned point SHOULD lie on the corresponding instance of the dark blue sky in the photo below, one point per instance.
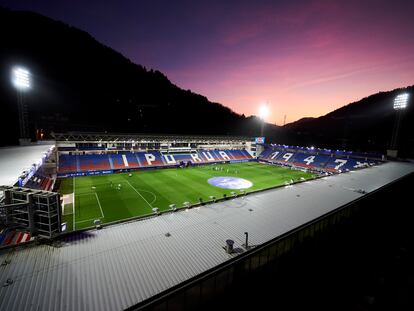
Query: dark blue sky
(303, 58)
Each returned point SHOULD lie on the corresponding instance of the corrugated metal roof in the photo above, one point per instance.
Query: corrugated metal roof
(119, 266)
(13, 160)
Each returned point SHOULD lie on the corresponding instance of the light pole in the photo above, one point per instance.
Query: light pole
(400, 103)
(263, 113)
(21, 81)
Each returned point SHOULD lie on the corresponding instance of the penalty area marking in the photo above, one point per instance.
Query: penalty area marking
(150, 192)
(139, 193)
(99, 203)
(82, 221)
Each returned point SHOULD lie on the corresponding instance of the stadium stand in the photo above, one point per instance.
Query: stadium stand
(10, 237)
(95, 162)
(41, 181)
(68, 163)
(3, 233)
(338, 153)
(118, 161)
(182, 157)
(318, 159)
(133, 160)
(149, 159)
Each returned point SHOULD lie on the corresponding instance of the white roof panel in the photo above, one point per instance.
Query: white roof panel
(14, 160)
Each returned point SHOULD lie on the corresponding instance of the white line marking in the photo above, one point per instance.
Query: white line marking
(74, 199)
(155, 199)
(99, 203)
(124, 158)
(86, 193)
(81, 221)
(152, 193)
(138, 193)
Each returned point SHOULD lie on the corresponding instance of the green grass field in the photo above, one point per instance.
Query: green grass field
(98, 197)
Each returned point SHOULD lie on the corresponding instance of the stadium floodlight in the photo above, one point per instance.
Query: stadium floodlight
(263, 112)
(401, 101)
(21, 78)
(21, 81)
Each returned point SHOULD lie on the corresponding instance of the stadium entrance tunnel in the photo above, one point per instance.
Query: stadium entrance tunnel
(228, 182)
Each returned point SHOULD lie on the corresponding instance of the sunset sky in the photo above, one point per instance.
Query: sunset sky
(304, 58)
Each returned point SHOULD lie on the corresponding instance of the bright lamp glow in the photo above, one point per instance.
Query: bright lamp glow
(400, 102)
(21, 78)
(263, 112)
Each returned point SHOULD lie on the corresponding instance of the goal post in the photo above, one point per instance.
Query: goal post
(67, 204)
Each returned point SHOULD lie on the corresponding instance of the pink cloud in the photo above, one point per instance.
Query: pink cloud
(304, 63)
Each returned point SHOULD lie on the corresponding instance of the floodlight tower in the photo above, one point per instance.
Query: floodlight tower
(263, 113)
(400, 103)
(21, 81)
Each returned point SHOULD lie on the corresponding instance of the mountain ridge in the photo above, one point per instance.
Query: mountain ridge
(83, 85)
(78, 79)
(366, 123)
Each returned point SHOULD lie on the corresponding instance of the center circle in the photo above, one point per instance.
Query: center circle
(228, 182)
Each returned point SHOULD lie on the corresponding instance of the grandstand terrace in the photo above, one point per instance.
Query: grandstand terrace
(85, 153)
(333, 161)
(90, 153)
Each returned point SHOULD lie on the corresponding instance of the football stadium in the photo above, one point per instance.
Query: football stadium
(118, 185)
(145, 209)
(184, 155)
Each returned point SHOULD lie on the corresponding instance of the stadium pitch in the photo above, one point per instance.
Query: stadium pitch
(122, 196)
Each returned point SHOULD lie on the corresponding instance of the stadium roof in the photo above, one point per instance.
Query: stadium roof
(14, 160)
(114, 137)
(122, 265)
